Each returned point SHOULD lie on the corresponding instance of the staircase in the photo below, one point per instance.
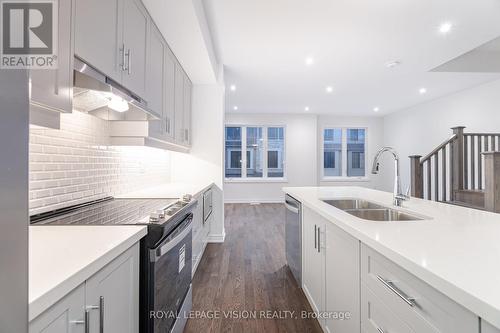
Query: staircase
(464, 170)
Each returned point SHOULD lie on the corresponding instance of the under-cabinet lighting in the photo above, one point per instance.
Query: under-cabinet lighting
(118, 104)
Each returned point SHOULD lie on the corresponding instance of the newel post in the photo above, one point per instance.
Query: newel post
(416, 181)
(492, 176)
(457, 161)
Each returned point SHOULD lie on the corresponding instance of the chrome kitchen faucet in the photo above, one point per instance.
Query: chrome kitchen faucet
(398, 195)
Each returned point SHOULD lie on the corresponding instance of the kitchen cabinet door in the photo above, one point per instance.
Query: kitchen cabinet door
(52, 89)
(313, 277)
(342, 279)
(112, 294)
(188, 89)
(179, 105)
(135, 31)
(155, 81)
(488, 328)
(66, 316)
(169, 94)
(98, 35)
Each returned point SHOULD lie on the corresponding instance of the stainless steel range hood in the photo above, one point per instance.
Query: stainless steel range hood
(93, 91)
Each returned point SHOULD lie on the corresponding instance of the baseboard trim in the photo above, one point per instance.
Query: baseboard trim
(253, 201)
(216, 238)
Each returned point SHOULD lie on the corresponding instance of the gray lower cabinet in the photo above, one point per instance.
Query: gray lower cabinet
(420, 307)
(113, 295)
(488, 328)
(342, 281)
(313, 272)
(108, 300)
(66, 316)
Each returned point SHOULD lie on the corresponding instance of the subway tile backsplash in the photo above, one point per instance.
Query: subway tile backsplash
(75, 164)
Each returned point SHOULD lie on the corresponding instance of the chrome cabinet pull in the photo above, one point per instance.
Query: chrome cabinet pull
(315, 236)
(390, 285)
(380, 330)
(319, 240)
(101, 314)
(122, 50)
(128, 54)
(294, 210)
(85, 321)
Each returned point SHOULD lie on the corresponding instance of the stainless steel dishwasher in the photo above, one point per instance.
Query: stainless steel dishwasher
(293, 235)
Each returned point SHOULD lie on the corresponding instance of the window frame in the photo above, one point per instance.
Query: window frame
(344, 177)
(264, 178)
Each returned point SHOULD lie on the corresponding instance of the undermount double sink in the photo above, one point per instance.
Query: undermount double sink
(367, 210)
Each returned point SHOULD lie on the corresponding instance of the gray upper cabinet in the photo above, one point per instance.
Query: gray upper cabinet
(52, 90)
(135, 27)
(98, 35)
(188, 90)
(111, 35)
(179, 105)
(169, 94)
(155, 81)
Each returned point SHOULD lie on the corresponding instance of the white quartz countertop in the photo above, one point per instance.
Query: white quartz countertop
(456, 250)
(167, 190)
(63, 257)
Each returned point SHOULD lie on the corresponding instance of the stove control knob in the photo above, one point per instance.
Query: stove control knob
(154, 217)
(161, 213)
(187, 197)
(170, 211)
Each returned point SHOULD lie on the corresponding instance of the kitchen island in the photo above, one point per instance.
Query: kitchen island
(452, 251)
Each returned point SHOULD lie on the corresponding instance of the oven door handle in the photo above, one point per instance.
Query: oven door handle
(170, 243)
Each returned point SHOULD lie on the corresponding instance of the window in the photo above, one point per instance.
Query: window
(332, 152)
(262, 147)
(233, 152)
(344, 152)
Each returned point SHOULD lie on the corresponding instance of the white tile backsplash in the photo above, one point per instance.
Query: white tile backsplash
(76, 164)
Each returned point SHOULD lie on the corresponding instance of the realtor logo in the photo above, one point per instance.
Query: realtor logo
(29, 34)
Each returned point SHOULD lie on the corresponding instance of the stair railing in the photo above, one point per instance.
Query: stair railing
(460, 163)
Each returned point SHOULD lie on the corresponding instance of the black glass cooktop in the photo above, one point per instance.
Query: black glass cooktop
(105, 212)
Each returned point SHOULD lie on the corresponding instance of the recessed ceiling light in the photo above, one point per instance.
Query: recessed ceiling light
(232, 87)
(309, 61)
(329, 89)
(392, 64)
(422, 91)
(376, 109)
(306, 108)
(445, 27)
(235, 108)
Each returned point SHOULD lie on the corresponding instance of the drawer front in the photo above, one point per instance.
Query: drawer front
(420, 306)
(376, 316)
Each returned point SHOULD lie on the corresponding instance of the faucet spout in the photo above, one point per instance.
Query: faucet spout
(398, 196)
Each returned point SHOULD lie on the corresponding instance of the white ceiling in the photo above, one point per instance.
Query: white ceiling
(263, 45)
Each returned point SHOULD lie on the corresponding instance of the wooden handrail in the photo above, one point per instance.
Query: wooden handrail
(441, 146)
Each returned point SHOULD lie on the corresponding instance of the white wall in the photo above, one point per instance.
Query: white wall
(204, 163)
(300, 157)
(374, 137)
(420, 129)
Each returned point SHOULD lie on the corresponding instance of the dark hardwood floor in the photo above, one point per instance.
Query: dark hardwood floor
(247, 274)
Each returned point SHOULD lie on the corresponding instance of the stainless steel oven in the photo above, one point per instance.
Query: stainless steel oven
(170, 269)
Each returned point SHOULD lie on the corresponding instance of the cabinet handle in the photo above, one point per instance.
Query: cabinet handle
(101, 314)
(315, 236)
(380, 330)
(129, 57)
(122, 50)
(390, 285)
(319, 240)
(186, 133)
(85, 321)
